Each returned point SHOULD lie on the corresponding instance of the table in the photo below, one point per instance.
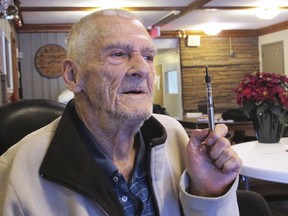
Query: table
(264, 161)
(236, 129)
(193, 123)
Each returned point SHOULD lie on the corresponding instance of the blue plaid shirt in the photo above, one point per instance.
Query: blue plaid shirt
(135, 195)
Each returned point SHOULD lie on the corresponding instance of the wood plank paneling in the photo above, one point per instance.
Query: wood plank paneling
(34, 84)
(225, 71)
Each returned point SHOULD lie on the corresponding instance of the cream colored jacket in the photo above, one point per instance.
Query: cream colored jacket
(66, 184)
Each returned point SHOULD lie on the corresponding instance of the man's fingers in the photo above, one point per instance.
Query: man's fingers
(219, 131)
(226, 155)
(228, 161)
(197, 136)
(217, 149)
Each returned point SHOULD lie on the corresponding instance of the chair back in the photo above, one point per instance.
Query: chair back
(17, 119)
(159, 109)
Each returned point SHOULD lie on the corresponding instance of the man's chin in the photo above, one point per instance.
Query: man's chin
(139, 112)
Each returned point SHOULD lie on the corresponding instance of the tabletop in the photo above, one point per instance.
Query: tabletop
(264, 161)
(236, 129)
(194, 123)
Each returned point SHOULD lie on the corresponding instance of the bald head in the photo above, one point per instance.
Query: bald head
(90, 29)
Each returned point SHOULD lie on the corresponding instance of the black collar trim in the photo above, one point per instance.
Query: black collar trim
(68, 161)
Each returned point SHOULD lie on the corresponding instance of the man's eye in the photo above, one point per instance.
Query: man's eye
(149, 57)
(118, 54)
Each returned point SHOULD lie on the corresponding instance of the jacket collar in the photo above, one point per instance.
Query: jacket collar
(69, 162)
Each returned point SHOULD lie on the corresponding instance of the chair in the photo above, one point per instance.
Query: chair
(237, 115)
(252, 204)
(157, 108)
(25, 116)
(202, 107)
(270, 191)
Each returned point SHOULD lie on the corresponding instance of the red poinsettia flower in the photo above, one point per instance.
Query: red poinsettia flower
(264, 91)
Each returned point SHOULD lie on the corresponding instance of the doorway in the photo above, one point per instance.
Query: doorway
(273, 57)
(172, 93)
(168, 64)
(158, 86)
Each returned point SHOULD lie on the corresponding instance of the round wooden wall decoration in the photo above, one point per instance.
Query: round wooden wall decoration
(48, 60)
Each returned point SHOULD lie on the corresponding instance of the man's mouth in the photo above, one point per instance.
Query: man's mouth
(134, 92)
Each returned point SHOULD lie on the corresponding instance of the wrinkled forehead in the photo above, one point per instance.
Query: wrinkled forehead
(118, 29)
(95, 32)
(115, 24)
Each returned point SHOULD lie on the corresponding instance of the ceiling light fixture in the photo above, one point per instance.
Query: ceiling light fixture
(8, 10)
(212, 29)
(267, 12)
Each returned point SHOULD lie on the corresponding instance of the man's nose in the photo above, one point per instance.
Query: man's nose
(139, 66)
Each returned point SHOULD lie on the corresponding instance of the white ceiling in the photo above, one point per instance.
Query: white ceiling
(241, 16)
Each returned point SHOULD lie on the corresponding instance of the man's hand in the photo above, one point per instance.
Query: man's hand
(211, 162)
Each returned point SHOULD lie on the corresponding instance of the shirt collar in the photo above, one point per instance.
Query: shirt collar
(106, 164)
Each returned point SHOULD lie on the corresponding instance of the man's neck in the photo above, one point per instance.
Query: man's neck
(116, 138)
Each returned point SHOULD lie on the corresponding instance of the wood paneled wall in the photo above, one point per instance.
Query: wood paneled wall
(34, 84)
(225, 71)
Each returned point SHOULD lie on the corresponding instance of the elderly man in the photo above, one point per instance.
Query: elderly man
(107, 154)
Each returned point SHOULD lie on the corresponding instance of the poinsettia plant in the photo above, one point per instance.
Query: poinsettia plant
(264, 92)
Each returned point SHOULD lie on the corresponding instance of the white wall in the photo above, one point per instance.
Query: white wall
(275, 37)
(170, 61)
(6, 27)
(166, 43)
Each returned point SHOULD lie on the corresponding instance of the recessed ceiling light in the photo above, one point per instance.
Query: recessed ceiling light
(267, 12)
(212, 29)
(211, 9)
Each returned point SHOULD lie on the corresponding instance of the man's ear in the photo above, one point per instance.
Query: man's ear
(70, 74)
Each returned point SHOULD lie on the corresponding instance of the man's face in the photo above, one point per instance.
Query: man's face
(119, 76)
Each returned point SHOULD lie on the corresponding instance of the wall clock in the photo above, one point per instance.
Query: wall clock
(48, 60)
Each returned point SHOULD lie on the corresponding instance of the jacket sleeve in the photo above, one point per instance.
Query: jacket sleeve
(9, 203)
(207, 206)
